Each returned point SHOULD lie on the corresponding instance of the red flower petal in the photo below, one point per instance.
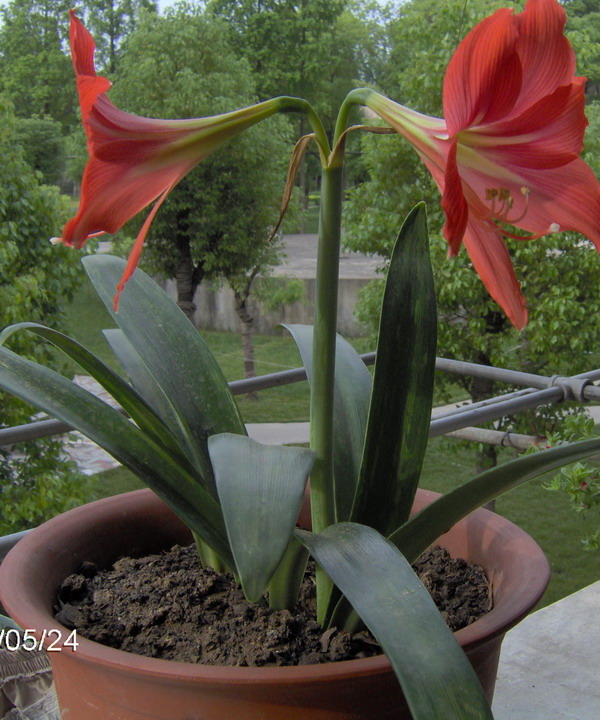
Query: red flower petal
(82, 47)
(136, 251)
(547, 58)
(568, 196)
(483, 79)
(492, 262)
(548, 134)
(515, 120)
(89, 89)
(133, 159)
(112, 194)
(454, 203)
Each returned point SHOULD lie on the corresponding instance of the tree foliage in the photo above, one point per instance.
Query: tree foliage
(284, 41)
(43, 147)
(220, 215)
(35, 71)
(583, 30)
(110, 22)
(314, 49)
(35, 279)
(216, 225)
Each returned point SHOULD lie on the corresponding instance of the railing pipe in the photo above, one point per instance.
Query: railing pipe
(540, 390)
(465, 405)
(491, 409)
(32, 431)
(441, 426)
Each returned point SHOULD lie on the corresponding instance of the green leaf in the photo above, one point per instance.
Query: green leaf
(436, 677)
(400, 412)
(426, 526)
(285, 583)
(175, 356)
(261, 488)
(143, 381)
(121, 391)
(352, 392)
(59, 397)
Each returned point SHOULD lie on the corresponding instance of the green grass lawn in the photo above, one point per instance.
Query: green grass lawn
(546, 516)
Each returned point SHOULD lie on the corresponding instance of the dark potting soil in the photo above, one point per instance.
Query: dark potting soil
(168, 606)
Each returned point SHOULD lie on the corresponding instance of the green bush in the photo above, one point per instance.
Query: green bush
(36, 278)
(37, 483)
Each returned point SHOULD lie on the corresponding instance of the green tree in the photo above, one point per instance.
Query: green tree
(285, 42)
(583, 30)
(558, 274)
(216, 224)
(314, 49)
(35, 279)
(43, 146)
(35, 70)
(110, 22)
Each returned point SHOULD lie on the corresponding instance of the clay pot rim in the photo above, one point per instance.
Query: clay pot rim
(14, 576)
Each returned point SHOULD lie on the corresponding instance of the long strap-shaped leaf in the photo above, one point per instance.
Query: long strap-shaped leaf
(425, 527)
(400, 410)
(260, 488)
(352, 393)
(436, 677)
(142, 379)
(51, 392)
(124, 394)
(175, 355)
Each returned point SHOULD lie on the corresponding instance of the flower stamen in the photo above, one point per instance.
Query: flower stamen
(525, 192)
(499, 215)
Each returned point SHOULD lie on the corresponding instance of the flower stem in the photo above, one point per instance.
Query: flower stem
(299, 105)
(322, 386)
(358, 96)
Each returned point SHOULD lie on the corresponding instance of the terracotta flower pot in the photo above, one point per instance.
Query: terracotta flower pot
(95, 682)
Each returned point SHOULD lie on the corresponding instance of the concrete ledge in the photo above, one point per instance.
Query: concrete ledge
(292, 433)
(549, 665)
(215, 307)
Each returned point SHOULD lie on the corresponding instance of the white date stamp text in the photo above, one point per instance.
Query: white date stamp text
(13, 640)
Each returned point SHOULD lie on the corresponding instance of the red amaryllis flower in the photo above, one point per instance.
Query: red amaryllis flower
(507, 152)
(135, 160)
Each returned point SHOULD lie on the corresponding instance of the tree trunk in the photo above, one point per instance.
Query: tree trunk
(246, 323)
(185, 280)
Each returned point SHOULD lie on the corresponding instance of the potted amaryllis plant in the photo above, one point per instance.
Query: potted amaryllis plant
(506, 156)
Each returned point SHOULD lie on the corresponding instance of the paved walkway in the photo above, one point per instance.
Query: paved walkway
(301, 260)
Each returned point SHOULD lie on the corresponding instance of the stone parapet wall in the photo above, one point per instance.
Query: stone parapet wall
(215, 309)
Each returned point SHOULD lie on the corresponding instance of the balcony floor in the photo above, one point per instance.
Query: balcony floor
(549, 663)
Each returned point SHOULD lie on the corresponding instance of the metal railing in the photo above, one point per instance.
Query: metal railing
(537, 390)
